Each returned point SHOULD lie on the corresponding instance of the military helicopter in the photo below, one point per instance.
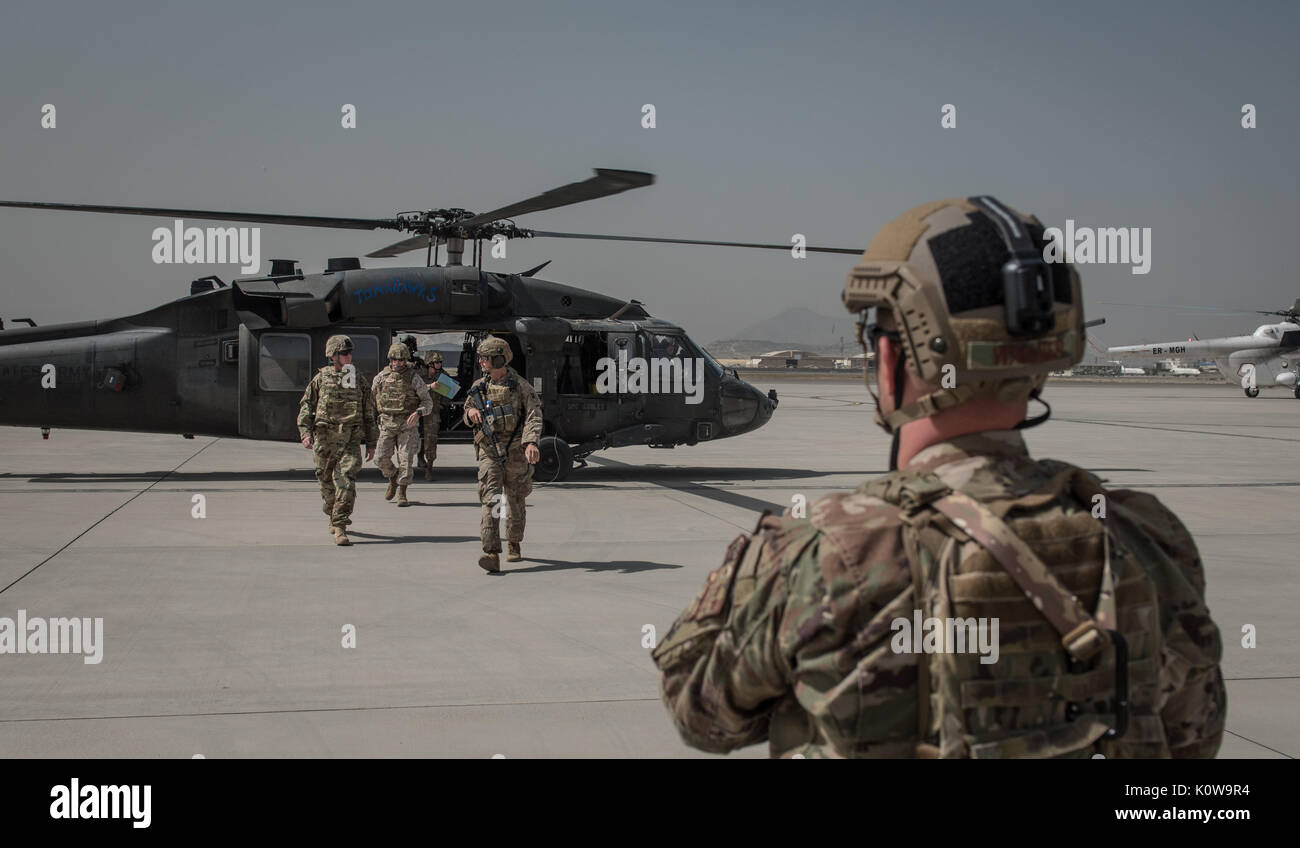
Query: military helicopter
(233, 359)
(1270, 356)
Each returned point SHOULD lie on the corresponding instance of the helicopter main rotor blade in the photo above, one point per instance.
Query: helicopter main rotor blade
(606, 182)
(210, 215)
(852, 251)
(397, 248)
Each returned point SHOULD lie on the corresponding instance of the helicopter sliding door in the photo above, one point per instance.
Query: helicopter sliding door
(275, 366)
(592, 400)
(274, 369)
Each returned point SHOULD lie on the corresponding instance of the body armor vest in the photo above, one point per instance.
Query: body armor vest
(338, 404)
(502, 408)
(1044, 696)
(397, 395)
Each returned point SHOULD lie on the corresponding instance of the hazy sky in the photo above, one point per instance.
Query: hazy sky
(820, 118)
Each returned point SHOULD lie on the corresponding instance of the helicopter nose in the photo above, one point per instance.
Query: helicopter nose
(744, 407)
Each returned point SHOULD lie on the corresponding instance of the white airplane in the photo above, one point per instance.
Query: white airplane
(1270, 356)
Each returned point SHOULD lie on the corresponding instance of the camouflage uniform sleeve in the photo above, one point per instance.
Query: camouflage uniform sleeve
(307, 407)
(532, 402)
(723, 670)
(370, 416)
(374, 384)
(1196, 707)
(426, 402)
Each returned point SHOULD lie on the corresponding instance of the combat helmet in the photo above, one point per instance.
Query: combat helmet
(337, 344)
(397, 350)
(974, 300)
(493, 346)
(434, 356)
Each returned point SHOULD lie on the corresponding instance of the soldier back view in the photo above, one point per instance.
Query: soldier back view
(974, 602)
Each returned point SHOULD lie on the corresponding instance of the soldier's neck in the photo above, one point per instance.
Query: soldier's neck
(974, 416)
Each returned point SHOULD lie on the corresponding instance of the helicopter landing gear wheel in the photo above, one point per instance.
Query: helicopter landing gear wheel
(556, 461)
(1297, 392)
(1254, 392)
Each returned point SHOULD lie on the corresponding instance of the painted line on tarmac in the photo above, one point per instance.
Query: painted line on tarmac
(330, 710)
(107, 516)
(1260, 744)
(1176, 429)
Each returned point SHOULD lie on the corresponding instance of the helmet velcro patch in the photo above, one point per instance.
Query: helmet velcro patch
(1010, 354)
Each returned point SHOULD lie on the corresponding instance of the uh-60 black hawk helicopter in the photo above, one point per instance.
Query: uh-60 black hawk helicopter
(233, 360)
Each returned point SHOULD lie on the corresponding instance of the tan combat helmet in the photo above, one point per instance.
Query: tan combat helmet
(435, 356)
(492, 347)
(967, 284)
(337, 344)
(397, 350)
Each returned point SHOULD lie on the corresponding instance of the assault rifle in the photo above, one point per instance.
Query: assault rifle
(484, 426)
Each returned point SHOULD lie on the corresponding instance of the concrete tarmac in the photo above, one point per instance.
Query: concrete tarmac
(223, 635)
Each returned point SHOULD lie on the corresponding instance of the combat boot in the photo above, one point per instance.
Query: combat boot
(401, 496)
(341, 536)
(392, 488)
(428, 472)
(491, 563)
(513, 553)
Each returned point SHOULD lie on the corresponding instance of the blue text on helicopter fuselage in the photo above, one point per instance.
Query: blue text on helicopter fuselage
(397, 286)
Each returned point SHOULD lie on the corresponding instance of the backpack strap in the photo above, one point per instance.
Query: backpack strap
(1082, 636)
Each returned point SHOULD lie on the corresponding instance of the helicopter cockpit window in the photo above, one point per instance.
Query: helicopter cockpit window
(680, 347)
(283, 362)
(667, 347)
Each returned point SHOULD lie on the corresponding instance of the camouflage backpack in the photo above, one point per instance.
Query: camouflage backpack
(1066, 682)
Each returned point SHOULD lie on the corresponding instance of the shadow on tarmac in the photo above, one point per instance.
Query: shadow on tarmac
(620, 566)
(402, 540)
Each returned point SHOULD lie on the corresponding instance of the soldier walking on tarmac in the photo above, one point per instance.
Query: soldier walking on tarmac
(507, 414)
(401, 398)
(336, 415)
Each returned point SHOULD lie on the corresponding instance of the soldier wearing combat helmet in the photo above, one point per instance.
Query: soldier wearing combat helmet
(336, 415)
(506, 413)
(431, 423)
(401, 398)
(851, 632)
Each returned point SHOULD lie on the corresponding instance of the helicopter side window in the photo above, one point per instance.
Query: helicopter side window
(283, 362)
(579, 361)
(365, 354)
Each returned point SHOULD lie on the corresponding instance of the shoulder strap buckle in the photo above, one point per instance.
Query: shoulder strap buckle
(916, 492)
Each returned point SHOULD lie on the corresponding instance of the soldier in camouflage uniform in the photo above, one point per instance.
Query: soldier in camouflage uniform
(402, 398)
(505, 458)
(810, 634)
(433, 421)
(336, 415)
(421, 369)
